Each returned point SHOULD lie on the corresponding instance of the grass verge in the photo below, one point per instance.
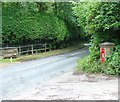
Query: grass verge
(7, 60)
(47, 54)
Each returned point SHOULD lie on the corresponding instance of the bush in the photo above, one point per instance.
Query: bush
(110, 67)
(113, 62)
(23, 27)
(88, 65)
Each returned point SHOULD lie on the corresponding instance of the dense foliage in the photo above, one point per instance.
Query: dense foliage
(101, 21)
(64, 11)
(111, 65)
(25, 23)
(20, 26)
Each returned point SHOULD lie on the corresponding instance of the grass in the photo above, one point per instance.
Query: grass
(7, 60)
(88, 65)
(47, 54)
(24, 58)
(81, 62)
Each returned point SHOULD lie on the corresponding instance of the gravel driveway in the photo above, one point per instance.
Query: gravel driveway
(74, 87)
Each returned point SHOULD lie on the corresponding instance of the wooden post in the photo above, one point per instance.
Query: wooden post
(19, 50)
(10, 59)
(45, 47)
(32, 48)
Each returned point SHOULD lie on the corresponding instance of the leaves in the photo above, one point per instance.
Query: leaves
(98, 17)
(20, 25)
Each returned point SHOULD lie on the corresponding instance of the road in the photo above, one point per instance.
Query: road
(18, 77)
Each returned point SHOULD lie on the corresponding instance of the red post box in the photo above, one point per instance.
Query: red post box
(102, 55)
(106, 48)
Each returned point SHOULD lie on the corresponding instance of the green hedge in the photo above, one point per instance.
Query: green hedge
(21, 26)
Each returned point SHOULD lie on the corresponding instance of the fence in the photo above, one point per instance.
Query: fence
(33, 48)
(8, 52)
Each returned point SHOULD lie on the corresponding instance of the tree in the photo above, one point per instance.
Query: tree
(100, 20)
(64, 11)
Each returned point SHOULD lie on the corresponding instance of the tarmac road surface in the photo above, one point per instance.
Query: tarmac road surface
(18, 77)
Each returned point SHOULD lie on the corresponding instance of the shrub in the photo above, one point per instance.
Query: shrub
(113, 62)
(110, 67)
